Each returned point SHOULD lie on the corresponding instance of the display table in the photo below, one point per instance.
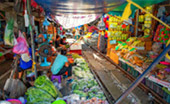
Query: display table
(160, 82)
(137, 68)
(140, 70)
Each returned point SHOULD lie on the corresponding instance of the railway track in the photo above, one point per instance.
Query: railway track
(146, 89)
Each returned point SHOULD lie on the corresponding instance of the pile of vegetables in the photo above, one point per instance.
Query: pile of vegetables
(84, 84)
(44, 91)
(75, 56)
(82, 70)
(87, 89)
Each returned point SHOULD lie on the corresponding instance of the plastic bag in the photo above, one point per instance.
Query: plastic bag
(26, 19)
(58, 63)
(21, 47)
(9, 34)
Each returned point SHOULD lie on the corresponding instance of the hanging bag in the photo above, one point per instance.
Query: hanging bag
(9, 34)
(21, 47)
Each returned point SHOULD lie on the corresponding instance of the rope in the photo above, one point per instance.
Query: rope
(33, 64)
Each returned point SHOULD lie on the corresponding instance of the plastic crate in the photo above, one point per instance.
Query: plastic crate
(149, 83)
(124, 66)
(132, 71)
(155, 87)
(166, 95)
(158, 89)
(135, 73)
(120, 63)
(129, 69)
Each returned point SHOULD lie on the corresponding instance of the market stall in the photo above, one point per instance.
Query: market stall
(136, 56)
(135, 45)
(131, 46)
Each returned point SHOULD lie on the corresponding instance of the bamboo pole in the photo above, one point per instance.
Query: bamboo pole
(32, 39)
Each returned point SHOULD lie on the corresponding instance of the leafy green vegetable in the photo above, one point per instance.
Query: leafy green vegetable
(81, 93)
(36, 95)
(45, 84)
(67, 46)
(75, 56)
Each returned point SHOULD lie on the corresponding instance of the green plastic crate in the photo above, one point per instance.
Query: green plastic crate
(120, 63)
(135, 73)
(129, 69)
(132, 71)
(166, 95)
(124, 66)
(155, 87)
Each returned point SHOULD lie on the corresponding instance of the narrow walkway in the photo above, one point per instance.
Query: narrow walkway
(113, 79)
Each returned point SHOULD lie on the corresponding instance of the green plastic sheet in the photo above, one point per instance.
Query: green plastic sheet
(143, 3)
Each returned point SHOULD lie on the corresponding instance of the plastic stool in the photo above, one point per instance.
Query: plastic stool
(58, 77)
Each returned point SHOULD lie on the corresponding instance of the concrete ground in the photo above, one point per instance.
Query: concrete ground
(4, 72)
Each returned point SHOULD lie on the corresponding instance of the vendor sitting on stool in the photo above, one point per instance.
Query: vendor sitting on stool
(62, 65)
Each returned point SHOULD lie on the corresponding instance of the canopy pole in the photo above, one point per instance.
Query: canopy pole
(137, 23)
(138, 6)
(142, 76)
(32, 39)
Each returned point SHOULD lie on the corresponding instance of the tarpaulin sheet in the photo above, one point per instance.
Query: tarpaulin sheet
(69, 21)
(72, 13)
(59, 7)
(143, 3)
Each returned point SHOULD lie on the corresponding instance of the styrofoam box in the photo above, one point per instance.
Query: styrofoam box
(76, 47)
